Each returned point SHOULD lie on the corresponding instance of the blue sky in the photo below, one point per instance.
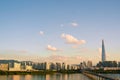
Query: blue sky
(44, 28)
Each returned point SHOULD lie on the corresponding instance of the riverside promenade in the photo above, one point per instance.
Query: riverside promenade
(96, 76)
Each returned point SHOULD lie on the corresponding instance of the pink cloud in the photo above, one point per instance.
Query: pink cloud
(51, 48)
(72, 40)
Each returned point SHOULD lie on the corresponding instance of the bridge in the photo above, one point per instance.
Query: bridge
(96, 76)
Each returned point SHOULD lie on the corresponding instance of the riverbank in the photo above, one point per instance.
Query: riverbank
(106, 71)
(42, 72)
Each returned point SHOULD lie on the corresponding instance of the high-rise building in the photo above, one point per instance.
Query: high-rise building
(103, 52)
(89, 64)
(4, 67)
(64, 66)
(16, 67)
(58, 66)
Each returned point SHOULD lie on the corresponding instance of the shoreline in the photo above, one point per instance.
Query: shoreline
(106, 71)
(42, 72)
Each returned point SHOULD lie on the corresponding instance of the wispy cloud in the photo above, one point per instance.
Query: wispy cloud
(61, 25)
(41, 33)
(51, 58)
(78, 57)
(14, 51)
(67, 59)
(70, 24)
(51, 48)
(75, 46)
(58, 58)
(23, 51)
(74, 24)
(72, 40)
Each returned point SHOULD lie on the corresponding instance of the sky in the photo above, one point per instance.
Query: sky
(68, 31)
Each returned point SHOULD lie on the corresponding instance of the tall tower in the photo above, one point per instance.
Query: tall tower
(103, 52)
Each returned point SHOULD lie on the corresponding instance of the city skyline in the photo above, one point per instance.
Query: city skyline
(67, 31)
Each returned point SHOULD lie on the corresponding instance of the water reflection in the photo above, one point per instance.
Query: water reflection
(3, 77)
(16, 77)
(57, 76)
(47, 77)
(28, 77)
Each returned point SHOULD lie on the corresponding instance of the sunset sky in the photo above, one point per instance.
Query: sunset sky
(68, 31)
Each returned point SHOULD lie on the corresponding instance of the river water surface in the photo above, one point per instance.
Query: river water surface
(45, 77)
(57, 76)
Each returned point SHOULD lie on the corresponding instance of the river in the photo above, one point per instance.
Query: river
(57, 76)
(45, 77)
